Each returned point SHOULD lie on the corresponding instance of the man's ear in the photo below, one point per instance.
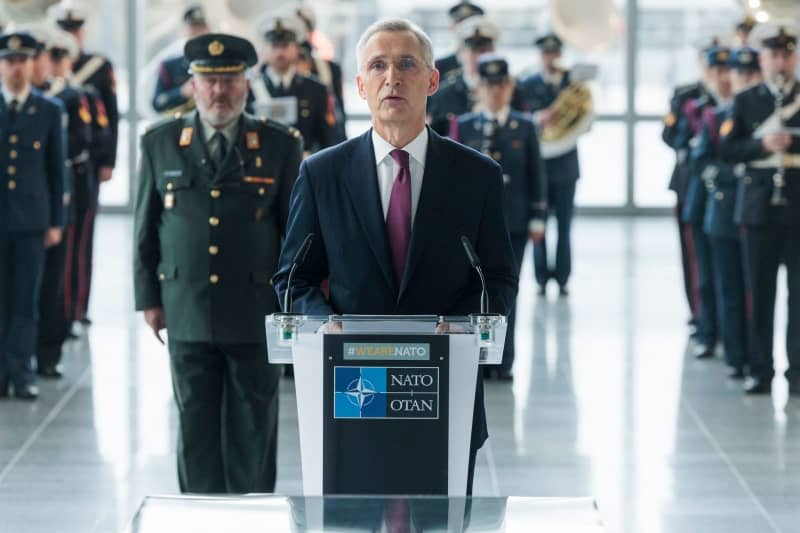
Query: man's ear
(360, 84)
(433, 82)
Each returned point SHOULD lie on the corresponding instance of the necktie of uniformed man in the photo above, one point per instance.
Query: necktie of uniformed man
(13, 110)
(222, 148)
(398, 217)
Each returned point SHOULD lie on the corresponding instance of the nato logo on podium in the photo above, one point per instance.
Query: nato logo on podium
(386, 392)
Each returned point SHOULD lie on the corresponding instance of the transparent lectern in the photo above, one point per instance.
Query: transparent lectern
(385, 403)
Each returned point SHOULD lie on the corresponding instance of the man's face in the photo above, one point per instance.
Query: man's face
(42, 68)
(16, 71)
(62, 67)
(220, 98)
(394, 78)
(549, 58)
(720, 78)
(469, 57)
(776, 63)
(282, 55)
(495, 96)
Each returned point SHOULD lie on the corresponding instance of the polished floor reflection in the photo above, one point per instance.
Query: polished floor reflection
(605, 404)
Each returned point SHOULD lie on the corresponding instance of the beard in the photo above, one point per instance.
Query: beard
(220, 111)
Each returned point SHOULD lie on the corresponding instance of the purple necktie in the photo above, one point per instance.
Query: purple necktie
(398, 218)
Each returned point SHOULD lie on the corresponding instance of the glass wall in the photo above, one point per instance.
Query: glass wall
(625, 166)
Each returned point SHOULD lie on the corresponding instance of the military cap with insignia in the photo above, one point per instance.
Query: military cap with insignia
(549, 42)
(464, 10)
(194, 15)
(778, 37)
(219, 53)
(492, 68)
(282, 28)
(477, 32)
(718, 56)
(18, 44)
(747, 24)
(70, 15)
(745, 59)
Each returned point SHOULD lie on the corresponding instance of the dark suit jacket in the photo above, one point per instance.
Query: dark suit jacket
(336, 197)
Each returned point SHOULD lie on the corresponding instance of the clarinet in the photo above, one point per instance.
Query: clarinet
(779, 178)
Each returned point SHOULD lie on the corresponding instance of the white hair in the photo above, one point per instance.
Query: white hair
(395, 25)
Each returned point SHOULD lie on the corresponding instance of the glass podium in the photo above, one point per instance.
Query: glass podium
(385, 403)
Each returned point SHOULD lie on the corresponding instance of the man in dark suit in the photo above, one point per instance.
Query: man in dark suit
(211, 208)
(32, 216)
(541, 91)
(509, 137)
(173, 91)
(389, 206)
(768, 198)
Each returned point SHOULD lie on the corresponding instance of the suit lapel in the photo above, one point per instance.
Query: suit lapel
(432, 196)
(361, 182)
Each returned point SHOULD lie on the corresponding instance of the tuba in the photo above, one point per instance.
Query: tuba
(576, 22)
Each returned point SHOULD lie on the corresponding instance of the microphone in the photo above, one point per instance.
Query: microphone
(299, 258)
(476, 264)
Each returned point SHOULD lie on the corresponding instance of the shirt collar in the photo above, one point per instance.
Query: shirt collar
(286, 79)
(554, 79)
(416, 148)
(21, 97)
(788, 87)
(228, 131)
(501, 116)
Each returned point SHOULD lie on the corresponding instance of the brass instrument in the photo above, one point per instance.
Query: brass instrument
(779, 178)
(572, 116)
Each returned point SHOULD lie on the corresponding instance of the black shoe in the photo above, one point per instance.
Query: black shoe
(758, 386)
(28, 392)
(736, 373)
(288, 371)
(563, 291)
(51, 372)
(702, 351)
(504, 375)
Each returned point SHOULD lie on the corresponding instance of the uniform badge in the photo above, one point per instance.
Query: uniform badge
(14, 43)
(216, 48)
(84, 113)
(513, 124)
(169, 200)
(186, 137)
(102, 116)
(253, 141)
(726, 128)
(670, 120)
(259, 162)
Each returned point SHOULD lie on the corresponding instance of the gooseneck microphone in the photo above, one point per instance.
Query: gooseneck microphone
(299, 258)
(476, 264)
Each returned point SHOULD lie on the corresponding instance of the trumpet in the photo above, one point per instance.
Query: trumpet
(779, 178)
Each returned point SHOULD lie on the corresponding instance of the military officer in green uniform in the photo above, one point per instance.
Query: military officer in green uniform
(211, 208)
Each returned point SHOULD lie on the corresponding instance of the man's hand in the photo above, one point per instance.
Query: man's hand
(544, 117)
(536, 230)
(776, 142)
(52, 237)
(155, 319)
(536, 236)
(104, 173)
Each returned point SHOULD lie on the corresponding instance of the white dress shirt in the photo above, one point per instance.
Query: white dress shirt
(21, 98)
(285, 79)
(388, 169)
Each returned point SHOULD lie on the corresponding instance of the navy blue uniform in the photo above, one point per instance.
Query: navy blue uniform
(32, 184)
(449, 67)
(677, 135)
(515, 146)
(172, 74)
(693, 214)
(562, 174)
(720, 182)
(770, 232)
(455, 98)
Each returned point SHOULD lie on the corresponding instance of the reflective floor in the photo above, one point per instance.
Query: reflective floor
(605, 404)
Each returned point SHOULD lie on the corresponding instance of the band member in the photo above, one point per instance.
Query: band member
(449, 66)
(768, 200)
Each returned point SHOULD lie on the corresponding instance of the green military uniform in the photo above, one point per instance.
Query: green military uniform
(207, 240)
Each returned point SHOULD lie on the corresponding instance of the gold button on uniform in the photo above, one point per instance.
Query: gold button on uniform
(13, 139)
(213, 278)
(216, 193)
(720, 195)
(213, 250)
(12, 170)
(214, 221)
(170, 186)
(37, 145)
(12, 185)
(262, 191)
(162, 277)
(12, 154)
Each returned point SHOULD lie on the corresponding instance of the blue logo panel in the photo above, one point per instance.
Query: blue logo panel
(365, 392)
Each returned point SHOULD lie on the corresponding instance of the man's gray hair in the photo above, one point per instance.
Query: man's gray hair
(395, 25)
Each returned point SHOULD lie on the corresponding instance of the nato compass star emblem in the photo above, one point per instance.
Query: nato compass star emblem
(360, 392)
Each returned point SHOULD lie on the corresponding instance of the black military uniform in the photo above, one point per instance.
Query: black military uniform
(768, 208)
(95, 73)
(449, 66)
(208, 230)
(457, 96)
(510, 139)
(32, 185)
(173, 73)
(315, 119)
(562, 171)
